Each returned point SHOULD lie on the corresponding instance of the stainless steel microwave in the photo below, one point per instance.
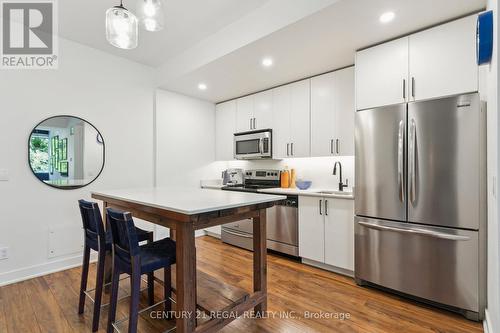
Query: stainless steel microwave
(253, 145)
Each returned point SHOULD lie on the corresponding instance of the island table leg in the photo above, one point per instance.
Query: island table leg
(260, 259)
(186, 278)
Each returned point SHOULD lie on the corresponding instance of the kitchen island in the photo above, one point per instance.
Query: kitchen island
(184, 211)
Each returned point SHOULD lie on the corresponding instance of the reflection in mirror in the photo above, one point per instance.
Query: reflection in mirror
(66, 152)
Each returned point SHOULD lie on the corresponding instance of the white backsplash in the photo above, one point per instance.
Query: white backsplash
(317, 169)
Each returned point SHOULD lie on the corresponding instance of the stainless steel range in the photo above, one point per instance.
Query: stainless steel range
(282, 219)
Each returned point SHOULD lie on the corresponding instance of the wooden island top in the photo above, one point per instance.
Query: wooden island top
(186, 210)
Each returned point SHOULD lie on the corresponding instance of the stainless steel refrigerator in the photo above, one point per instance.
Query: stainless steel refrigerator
(420, 226)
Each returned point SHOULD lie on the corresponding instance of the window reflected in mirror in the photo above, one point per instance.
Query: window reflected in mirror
(66, 152)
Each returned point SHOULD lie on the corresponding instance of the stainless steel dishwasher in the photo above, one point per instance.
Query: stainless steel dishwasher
(282, 229)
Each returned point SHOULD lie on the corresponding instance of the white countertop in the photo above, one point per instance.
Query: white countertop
(314, 192)
(189, 201)
(211, 186)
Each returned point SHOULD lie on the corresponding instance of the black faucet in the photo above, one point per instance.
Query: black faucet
(341, 185)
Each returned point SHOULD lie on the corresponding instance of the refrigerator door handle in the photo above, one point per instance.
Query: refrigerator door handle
(416, 231)
(400, 162)
(412, 157)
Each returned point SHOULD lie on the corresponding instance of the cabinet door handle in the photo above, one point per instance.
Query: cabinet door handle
(287, 149)
(337, 146)
(320, 203)
(250, 123)
(291, 148)
(326, 207)
(413, 87)
(404, 89)
(254, 126)
(331, 146)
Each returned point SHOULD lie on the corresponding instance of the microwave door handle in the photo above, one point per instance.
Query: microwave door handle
(261, 145)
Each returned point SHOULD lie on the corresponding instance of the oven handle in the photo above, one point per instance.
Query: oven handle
(235, 233)
(416, 231)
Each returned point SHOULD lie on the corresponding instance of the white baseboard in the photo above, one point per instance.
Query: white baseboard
(486, 322)
(34, 271)
(212, 234)
(328, 267)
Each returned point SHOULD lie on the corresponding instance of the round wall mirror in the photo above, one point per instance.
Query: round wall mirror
(66, 152)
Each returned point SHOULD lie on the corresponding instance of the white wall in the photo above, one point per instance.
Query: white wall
(117, 97)
(185, 139)
(493, 306)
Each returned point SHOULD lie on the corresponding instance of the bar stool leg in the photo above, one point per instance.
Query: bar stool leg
(151, 277)
(167, 289)
(135, 290)
(151, 288)
(85, 275)
(98, 289)
(115, 280)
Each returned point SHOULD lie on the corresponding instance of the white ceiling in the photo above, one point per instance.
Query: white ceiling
(222, 42)
(320, 42)
(187, 22)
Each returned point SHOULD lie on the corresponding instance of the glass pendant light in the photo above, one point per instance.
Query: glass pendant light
(121, 27)
(151, 14)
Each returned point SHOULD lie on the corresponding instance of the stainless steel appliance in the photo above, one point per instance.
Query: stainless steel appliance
(421, 201)
(282, 219)
(232, 177)
(253, 145)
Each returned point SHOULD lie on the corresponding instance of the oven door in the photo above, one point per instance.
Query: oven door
(253, 145)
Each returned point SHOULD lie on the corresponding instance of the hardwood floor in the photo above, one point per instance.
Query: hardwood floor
(49, 303)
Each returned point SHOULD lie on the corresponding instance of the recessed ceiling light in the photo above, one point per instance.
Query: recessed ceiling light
(387, 17)
(267, 62)
(202, 86)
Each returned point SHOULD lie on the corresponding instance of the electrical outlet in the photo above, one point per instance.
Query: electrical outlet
(4, 175)
(4, 253)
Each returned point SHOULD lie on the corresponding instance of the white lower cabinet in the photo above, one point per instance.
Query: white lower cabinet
(311, 228)
(326, 231)
(339, 233)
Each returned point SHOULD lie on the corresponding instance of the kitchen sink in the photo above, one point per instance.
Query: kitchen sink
(334, 192)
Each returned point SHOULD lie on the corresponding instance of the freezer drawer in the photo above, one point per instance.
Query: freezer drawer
(436, 264)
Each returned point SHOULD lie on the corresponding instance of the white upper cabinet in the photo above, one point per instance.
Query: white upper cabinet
(254, 111)
(322, 115)
(443, 60)
(344, 111)
(244, 113)
(300, 119)
(263, 108)
(225, 127)
(382, 74)
(436, 62)
(291, 120)
(332, 113)
(281, 122)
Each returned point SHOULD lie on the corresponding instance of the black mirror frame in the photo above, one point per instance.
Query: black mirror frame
(69, 187)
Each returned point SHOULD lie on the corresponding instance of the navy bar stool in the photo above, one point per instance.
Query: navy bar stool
(135, 260)
(98, 239)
